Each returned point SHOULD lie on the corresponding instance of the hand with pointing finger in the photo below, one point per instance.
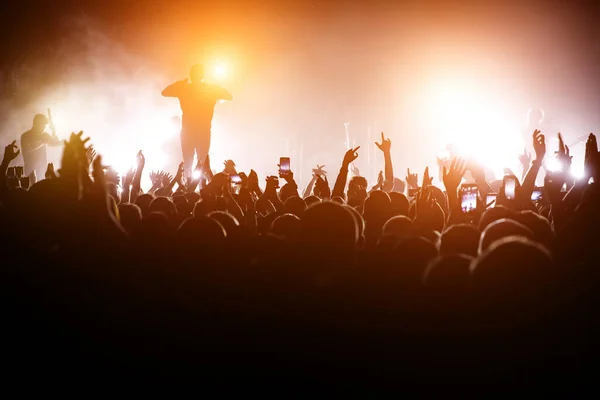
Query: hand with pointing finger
(385, 145)
(350, 156)
(412, 179)
(11, 152)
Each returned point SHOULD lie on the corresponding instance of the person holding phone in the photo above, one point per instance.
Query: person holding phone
(197, 100)
(34, 142)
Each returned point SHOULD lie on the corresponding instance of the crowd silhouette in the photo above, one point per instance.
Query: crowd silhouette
(194, 278)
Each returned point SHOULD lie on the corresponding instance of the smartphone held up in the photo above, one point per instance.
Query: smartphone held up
(510, 186)
(236, 183)
(469, 194)
(284, 167)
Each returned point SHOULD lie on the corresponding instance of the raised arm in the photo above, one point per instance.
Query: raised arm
(52, 140)
(385, 147)
(539, 146)
(174, 89)
(340, 182)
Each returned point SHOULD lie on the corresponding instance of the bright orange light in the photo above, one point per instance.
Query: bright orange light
(221, 70)
(462, 116)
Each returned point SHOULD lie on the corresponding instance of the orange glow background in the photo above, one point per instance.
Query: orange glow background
(426, 73)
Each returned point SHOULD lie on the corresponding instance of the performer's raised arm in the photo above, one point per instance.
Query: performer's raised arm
(174, 90)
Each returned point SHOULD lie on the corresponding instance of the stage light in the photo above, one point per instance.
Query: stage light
(196, 174)
(552, 164)
(221, 70)
(463, 117)
(577, 171)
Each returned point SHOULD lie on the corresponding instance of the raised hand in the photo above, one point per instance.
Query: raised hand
(319, 170)
(525, 159)
(427, 180)
(165, 178)
(90, 154)
(74, 161)
(322, 189)
(140, 160)
(350, 156)
(50, 174)
(355, 170)
(380, 179)
(112, 176)
(453, 177)
(127, 179)
(539, 145)
(206, 166)
(229, 166)
(424, 203)
(591, 157)
(563, 153)
(253, 181)
(272, 185)
(385, 145)
(179, 173)
(412, 179)
(11, 152)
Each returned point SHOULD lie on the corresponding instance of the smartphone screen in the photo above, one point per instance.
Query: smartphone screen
(284, 166)
(468, 198)
(235, 179)
(536, 195)
(490, 200)
(236, 183)
(509, 187)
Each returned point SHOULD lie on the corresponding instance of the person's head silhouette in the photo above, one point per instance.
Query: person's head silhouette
(197, 73)
(40, 122)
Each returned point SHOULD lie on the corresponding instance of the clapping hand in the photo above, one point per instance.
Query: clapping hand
(319, 170)
(379, 183)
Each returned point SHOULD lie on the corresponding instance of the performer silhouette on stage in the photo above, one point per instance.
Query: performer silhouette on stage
(34, 143)
(197, 100)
